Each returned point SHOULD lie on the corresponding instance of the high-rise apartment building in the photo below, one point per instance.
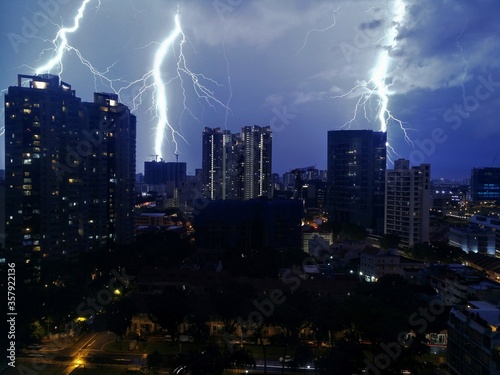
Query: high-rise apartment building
(111, 171)
(70, 170)
(407, 202)
(237, 166)
(485, 185)
(356, 174)
(45, 202)
(257, 143)
(216, 155)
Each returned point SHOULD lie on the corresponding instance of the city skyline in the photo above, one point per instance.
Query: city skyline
(285, 65)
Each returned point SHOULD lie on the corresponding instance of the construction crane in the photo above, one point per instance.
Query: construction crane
(297, 172)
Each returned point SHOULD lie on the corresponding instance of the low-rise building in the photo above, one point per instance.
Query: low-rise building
(473, 240)
(375, 263)
(458, 284)
(474, 339)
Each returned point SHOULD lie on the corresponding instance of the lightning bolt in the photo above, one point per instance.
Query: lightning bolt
(61, 43)
(161, 107)
(198, 82)
(334, 22)
(376, 89)
(151, 81)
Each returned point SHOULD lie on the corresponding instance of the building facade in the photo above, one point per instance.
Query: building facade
(356, 175)
(407, 202)
(70, 170)
(237, 166)
(110, 171)
(485, 185)
(161, 172)
(474, 339)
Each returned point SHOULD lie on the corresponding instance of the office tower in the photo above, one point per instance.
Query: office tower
(407, 202)
(257, 161)
(111, 171)
(70, 170)
(485, 185)
(356, 173)
(237, 166)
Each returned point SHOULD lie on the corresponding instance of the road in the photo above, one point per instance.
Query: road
(85, 352)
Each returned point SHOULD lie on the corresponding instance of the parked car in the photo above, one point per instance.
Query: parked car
(186, 338)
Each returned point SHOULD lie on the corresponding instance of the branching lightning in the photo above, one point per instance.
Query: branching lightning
(199, 84)
(61, 45)
(334, 22)
(150, 82)
(376, 89)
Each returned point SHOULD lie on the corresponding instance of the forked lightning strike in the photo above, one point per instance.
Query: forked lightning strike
(376, 89)
(150, 81)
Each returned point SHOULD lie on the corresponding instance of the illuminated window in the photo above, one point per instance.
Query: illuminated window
(27, 110)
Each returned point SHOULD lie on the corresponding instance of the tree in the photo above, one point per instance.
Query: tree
(36, 331)
(353, 232)
(120, 317)
(169, 310)
(389, 241)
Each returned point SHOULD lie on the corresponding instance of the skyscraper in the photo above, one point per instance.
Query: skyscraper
(216, 155)
(257, 143)
(407, 202)
(356, 173)
(70, 170)
(237, 166)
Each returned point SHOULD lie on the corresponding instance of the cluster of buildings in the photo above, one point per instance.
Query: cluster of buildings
(70, 186)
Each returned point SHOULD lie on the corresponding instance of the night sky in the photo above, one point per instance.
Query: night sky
(299, 66)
